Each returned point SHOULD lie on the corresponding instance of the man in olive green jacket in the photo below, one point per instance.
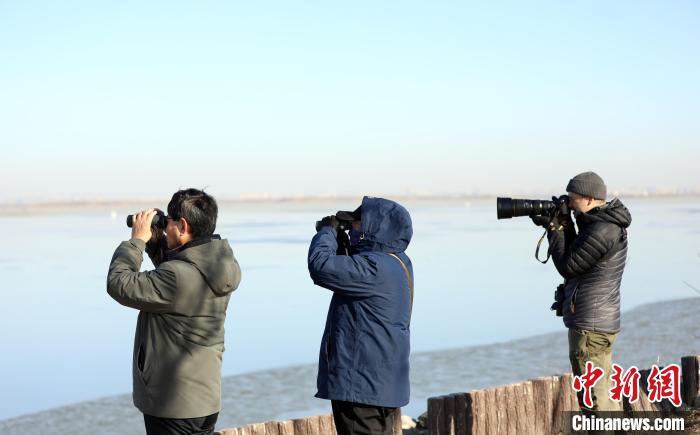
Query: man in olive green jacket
(179, 339)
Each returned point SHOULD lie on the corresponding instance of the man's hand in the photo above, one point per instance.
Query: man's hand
(541, 221)
(157, 247)
(141, 229)
(330, 221)
(556, 223)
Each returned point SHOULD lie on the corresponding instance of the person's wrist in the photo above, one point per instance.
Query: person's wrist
(143, 237)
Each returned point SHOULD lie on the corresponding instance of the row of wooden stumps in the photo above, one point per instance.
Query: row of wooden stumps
(532, 407)
(536, 406)
(317, 425)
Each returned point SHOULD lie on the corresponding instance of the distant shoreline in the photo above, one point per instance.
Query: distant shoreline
(62, 206)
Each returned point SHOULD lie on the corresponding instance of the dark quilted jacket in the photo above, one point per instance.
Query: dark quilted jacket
(592, 263)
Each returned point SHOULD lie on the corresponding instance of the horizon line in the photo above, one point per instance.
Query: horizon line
(262, 198)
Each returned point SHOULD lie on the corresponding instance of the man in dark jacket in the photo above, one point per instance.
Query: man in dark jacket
(591, 263)
(363, 362)
(179, 339)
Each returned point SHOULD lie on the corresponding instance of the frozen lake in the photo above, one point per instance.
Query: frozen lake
(66, 341)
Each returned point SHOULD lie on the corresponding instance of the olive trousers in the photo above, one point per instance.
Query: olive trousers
(595, 347)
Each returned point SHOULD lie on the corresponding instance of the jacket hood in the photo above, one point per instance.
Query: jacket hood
(386, 226)
(214, 260)
(614, 212)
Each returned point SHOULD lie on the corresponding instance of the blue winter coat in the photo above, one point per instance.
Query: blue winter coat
(366, 342)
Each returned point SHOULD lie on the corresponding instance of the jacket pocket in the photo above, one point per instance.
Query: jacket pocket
(578, 344)
(599, 343)
(329, 349)
(141, 358)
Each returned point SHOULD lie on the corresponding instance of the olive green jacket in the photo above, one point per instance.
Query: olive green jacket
(179, 339)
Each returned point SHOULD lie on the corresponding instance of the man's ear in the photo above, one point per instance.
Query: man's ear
(184, 226)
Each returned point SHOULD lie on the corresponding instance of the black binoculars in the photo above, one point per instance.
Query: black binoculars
(159, 220)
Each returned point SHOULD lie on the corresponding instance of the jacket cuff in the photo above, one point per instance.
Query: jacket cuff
(138, 243)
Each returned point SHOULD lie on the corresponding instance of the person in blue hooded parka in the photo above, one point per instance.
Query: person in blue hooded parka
(363, 362)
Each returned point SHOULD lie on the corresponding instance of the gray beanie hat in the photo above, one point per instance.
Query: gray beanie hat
(588, 184)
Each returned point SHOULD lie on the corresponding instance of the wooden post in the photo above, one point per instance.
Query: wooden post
(313, 425)
(461, 414)
(543, 412)
(300, 426)
(526, 408)
(690, 375)
(449, 403)
(286, 427)
(272, 428)
(256, 429)
(398, 424)
(570, 401)
(559, 404)
(327, 425)
(506, 408)
(436, 416)
(475, 417)
(491, 411)
(569, 395)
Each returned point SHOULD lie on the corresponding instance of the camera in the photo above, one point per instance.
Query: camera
(558, 207)
(159, 220)
(558, 304)
(543, 213)
(507, 208)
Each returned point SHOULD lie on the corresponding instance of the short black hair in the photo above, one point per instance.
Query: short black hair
(198, 208)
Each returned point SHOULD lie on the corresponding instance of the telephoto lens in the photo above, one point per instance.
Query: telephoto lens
(507, 208)
(158, 221)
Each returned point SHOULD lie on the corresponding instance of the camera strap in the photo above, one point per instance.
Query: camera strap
(410, 283)
(537, 251)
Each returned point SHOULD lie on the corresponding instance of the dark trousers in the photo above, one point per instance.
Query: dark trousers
(357, 419)
(180, 426)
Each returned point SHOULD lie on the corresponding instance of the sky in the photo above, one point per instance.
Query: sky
(130, 99)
